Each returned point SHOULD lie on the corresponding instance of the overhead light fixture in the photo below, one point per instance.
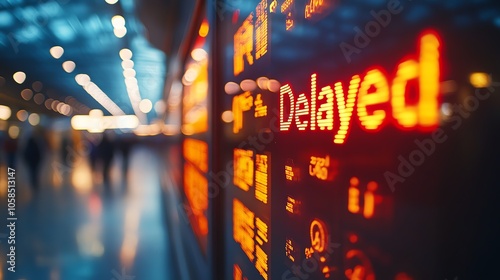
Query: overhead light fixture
(120, 32)
(119, 28)
(111, 2)
(190, 75)
(53, 105)
(37, 86)
(22, 115)
(96, 123)
(94, 91)
(118, 21)
(82, 79)
(227, 116)
(56, 52)
(5, 112)
(129, 73)
(34, 119)
(66, 110)
(160, 107)
(145, 106)
(132, 84)
(125, 54)
(68, 66)
(26, 94)
(199, 54)
(126, 64)
(13, 132)
(39, 98)
(48, 103)
(19, 77)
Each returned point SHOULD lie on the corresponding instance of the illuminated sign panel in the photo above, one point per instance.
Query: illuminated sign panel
(196, 190)
(196, 131)
(243, 169)
(262, 177)
(309, 155)
(243, 45)
(252, 234)
(196, 152)
(251, 40)
(370, 90)
(261, 30)
(287, 8)
(195, 112)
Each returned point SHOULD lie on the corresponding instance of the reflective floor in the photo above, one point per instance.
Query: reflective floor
(75, 228)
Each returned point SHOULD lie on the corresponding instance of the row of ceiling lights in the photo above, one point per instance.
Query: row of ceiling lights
(22, 115)
(39, 98)
(132, 85)
(143, 105)
(84, 80)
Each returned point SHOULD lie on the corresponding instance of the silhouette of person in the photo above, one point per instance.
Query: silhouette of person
(105, 153)
(10, 147)
(125, 147)
(33, 156)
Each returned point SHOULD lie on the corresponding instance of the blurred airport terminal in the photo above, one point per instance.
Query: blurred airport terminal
(249, 139)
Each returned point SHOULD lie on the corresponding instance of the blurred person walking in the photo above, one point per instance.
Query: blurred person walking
(105, 151)
(125, 146)
(33, 156)
(10, 148)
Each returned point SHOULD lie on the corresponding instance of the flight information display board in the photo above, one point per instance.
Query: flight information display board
(197, 133)
(354, 132)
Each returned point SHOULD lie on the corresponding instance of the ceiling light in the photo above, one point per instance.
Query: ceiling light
(118, 21)
(125, 54)
(39, 98)
(160, 107)
(273, 86)
(54, 104)
(48, 103)
(145, 106)
(26, 94)
(120, 32)
(22, 115)
(19, 77)
(34, 119)
(127, 64)
(14, 132)
(68, 66)
(262, 82)
(199, 54)
(59, 106)
(82, 79)
(5, 112)
(65, 110)
(129, 73)
(111, 2)
(190, 76)
(96, 93)
(96, 113)
(56, 52)
(227, 116)
(231, 88)
(248, 85)
(37, 86)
